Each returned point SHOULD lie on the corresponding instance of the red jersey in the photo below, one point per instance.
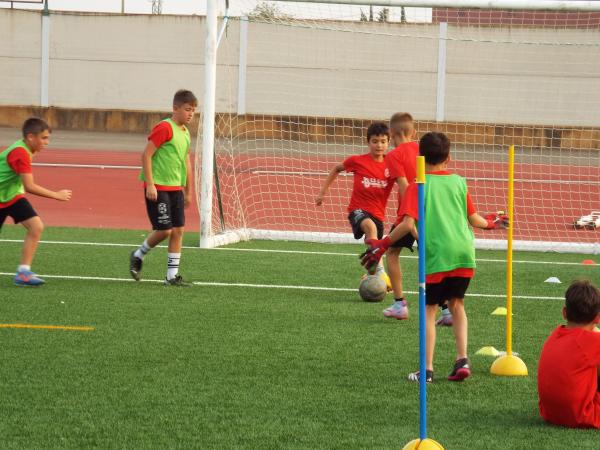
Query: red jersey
(402, 162)
(20, 162)
(568, 378)
(410, 207)
(372, 185)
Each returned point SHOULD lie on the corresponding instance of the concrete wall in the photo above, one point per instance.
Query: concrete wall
(131, 62)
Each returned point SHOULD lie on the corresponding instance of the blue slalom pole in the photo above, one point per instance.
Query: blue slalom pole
(422, 313)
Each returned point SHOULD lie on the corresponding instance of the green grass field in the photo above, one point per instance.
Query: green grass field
(266, 358)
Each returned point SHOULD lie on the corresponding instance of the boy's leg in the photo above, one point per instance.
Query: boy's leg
(399, 309)
(373, 230)
(174, 256)
(34, 227)
(462, 365)
(160, 215)
(176, 241)
(430, 313)
(24, 275)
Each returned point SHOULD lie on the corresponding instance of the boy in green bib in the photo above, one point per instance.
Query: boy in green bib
(167, 176)
(16, 178)
(450, 250)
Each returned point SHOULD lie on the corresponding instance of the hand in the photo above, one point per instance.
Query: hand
(63, 195)
(370, 258)
(186, 199)
(319, 200)
(151, 193)
(497, 220)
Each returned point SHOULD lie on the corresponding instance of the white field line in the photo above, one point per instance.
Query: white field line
(266, 286)
(299, 252)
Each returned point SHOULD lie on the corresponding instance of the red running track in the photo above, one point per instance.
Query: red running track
(278, 193)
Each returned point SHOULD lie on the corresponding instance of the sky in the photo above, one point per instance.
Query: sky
(238, 7)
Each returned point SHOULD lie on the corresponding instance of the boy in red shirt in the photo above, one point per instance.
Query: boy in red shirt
(16, 178)
(402, 163)
(371, 188)
(450, 249)
(569, 367)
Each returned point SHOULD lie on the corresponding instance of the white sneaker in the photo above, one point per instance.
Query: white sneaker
(398, 310)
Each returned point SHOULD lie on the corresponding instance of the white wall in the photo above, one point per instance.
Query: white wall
(137, 62)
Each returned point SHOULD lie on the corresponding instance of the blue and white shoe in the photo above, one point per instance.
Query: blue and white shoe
(27, 278)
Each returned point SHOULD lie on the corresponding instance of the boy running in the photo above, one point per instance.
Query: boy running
(16, 178)
(167, 176)
(450, 249)
(371, 188)
(569, 368)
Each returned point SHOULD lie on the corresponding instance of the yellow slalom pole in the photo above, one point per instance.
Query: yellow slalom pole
(509, 247)
(509, 364)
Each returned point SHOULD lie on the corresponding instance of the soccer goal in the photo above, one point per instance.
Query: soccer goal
(291, 87)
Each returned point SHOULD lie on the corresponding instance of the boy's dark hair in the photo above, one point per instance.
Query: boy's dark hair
(183, 96)
(435, 147)
(582, 301)
(402, 123)
(376, 129)
(34, 125)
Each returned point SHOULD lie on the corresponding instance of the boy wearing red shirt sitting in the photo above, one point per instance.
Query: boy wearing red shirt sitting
(568, 381)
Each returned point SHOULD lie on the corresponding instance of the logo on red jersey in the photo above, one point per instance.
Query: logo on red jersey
(374, 182)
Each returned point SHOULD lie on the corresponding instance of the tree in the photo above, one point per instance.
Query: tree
(383, 15)
(267, 11)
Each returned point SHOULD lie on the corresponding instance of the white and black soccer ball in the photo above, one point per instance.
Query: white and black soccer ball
(372, 288)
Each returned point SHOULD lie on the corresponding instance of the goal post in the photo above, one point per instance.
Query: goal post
(297, 83)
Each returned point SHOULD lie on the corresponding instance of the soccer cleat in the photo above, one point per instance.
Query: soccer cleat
(462, 370)
(135, 266)
(415, 376)
(27, 278)
(445, 320)
(177, 281)
(398, 310)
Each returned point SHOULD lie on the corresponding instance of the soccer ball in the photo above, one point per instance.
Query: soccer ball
(372, 288)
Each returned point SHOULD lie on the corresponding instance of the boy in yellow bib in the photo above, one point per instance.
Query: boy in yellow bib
(167, 176)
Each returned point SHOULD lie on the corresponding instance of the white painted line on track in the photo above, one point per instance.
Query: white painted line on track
(264, 286)
(299, 252)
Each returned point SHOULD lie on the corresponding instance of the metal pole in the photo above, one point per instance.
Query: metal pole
(208, 126)
(422, 313)
(45, 56)
(440, 109)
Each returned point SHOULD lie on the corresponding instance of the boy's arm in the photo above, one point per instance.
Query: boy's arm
(187, 191)
(370, 258)
(333, 173)
(151, 193)
(32, 188)
(489, 222)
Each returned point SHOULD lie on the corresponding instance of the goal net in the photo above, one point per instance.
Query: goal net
(297, 85)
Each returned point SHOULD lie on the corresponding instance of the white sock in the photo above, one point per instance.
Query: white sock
(141, 252)
(23, 268)
(380, 270)
(173, 265)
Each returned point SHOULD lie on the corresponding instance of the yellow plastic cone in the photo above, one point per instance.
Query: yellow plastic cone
(426, 444)
(487, 351)
(500, 311)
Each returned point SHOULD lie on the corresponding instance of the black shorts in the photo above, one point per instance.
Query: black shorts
(406, 241)
(20, 211)
(448, 288)
(167, 211)
(357, 216)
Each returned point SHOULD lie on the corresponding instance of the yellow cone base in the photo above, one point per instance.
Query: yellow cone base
(425, 444)
(509, 366)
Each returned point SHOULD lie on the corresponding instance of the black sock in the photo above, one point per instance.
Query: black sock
(444, 306)
(401, 299)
